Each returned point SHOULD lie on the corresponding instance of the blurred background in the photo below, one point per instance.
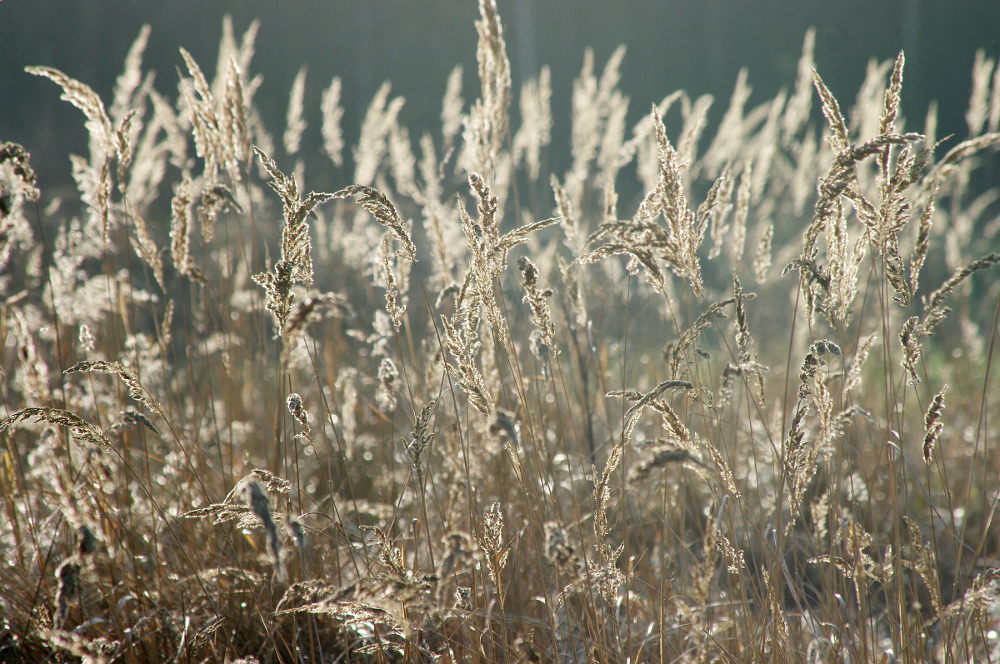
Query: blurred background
(696, 45)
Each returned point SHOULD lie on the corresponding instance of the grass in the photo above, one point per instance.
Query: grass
(466, 410)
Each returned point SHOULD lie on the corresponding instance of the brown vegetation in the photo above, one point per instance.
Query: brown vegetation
(350, 430)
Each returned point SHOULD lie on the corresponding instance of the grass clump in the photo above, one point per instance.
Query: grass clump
(349, 430)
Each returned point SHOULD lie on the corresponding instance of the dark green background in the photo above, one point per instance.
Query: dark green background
(699, 46)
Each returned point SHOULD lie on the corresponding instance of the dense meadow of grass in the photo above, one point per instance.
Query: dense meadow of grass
(467, 410)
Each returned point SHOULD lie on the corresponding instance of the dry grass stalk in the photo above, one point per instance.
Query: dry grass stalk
(537, 299)
(420, 437)
(925, 565)
(854, 372)
(180, 227)
(933, 425)
(295, 264)
(393, 306)
(215, 200)
(380, 207)
(83, 97)
(309, 310)
(377, 124)
(687, 338)
(148, 251)
(333, 139)
(662, 456)
(463, 344)
(82, 431)
(488, 122)
(388, 374)
(489, 250)
(536, 122)
(934, 312)
(645, 242)
(294, 124)
(495, 551)
(128, 376)
(93, 178)
(301, 415)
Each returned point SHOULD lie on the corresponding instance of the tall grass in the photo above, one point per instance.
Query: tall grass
(465, 410)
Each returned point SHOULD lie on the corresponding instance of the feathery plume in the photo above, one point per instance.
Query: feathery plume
(487, 124)
(393, 306)
(492, 544)
(451, 108)
(797, 109)
(933, 425)
(419, 439)
(82, 430)
(854, 372)
(130, 78)
(301, 415)
(380, 207)
(333, 138)
(128, 376)
(537, 300)
(372, 147)
(296, 245)
(979, 100)
(646, 242)
(83, 97)
(147, 250)
(93, 178)
(762, 257)
(385, 396)
(536, 122)
(180, 227)
(294, 124)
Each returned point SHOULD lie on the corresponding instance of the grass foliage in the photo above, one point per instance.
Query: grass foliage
(466, 410)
